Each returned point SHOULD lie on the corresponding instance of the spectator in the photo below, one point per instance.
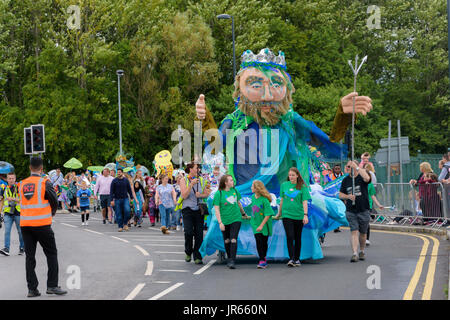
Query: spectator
(371, 170)
(357, 207)
(336, 173)
(365, 159)
(445, 170)
(10, 206)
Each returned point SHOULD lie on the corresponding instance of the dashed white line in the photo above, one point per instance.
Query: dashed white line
(205, 267)
(166, 270)
(163, 245)
(161, 281)
(69, 225)
(93, 231)
(169, 252)
(123, 240)
(135, 291)
(149, 270)
(145, 253)
(168, 290)
(173, 260)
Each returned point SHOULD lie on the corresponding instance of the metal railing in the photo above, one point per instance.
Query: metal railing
(423, 204)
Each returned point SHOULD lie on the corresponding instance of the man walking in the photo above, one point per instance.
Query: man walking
(38, 203)
(103, 189)
(357, 207)
(9, 205)
(120, 189)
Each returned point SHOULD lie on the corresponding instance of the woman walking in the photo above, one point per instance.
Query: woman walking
(229, 213)
(150, 204)
(294, 211)
(166, 200)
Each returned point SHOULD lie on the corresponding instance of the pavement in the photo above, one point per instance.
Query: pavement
(144, 264)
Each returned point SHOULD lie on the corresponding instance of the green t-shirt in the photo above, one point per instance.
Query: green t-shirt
(260, 209)
(371, 190)
(227, 201)
(293, 200)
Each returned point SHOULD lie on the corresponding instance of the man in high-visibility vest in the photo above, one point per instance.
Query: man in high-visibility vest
(10, 207)
(38, 203)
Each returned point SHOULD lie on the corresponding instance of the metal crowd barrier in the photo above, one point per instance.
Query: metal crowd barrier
(403, 203)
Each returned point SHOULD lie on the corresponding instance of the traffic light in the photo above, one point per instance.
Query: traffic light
(28, 148)
(38, 138)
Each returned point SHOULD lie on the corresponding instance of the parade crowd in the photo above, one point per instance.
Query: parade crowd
(177, 203)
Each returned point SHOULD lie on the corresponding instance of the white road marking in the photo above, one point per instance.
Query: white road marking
(169, 252)
(163, 293)
(135, 291)
(163, 245)
(149, 270)
(69, 225)
(173, 260)
(93, 231)
(145, 253)
(161, 281)
(167, 270)
(205, 267)
(126, 241)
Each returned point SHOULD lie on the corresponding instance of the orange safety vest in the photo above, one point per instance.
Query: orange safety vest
(35, 209)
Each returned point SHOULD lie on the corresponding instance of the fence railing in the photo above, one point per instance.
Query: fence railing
(404, 203)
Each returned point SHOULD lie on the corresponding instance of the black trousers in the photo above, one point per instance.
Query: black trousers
(293, 230)
(231, 233)
(46, 238)
(261, 245)
(193, 231)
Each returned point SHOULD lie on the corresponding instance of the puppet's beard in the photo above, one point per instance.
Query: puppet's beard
(264, 113)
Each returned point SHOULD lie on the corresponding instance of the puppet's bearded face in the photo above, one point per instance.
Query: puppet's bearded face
(264, 96)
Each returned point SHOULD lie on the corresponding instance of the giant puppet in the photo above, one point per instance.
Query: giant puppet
(263, 138)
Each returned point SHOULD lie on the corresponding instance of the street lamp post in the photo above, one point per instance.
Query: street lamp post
(227, 16)
(119, 74)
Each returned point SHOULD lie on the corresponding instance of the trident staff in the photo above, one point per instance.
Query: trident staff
(355, 70)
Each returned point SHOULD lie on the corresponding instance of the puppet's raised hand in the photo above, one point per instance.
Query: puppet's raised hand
(200, 107)
(363, 104)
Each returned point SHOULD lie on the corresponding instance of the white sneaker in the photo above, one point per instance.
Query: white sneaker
(83, 224)
(178, 228)
(367, 243)
(87, 223)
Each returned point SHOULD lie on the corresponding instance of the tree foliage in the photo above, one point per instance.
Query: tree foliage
(173, 50)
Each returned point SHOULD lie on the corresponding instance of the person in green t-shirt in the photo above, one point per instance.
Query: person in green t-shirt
(229, 214)
(261, 220)
(372, 198)
(294, 210)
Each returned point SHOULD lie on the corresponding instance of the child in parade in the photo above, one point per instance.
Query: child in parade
(261, 221)
(83, 201)
(229, 214)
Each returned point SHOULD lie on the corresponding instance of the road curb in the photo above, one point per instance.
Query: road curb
(442, 233)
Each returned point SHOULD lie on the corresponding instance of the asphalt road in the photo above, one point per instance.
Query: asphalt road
(144, 264)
